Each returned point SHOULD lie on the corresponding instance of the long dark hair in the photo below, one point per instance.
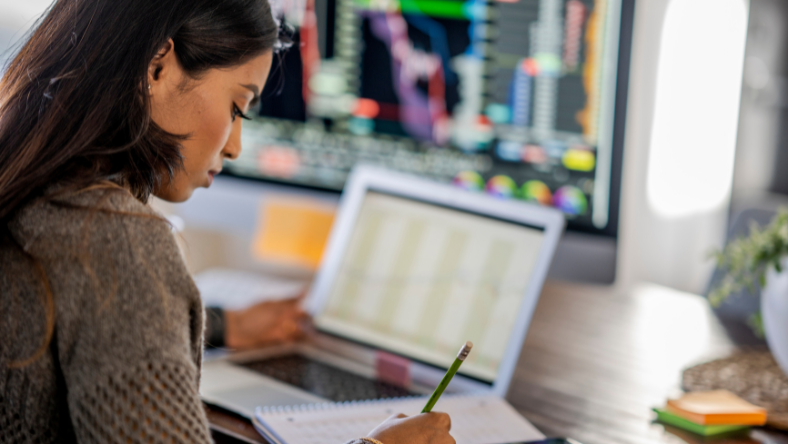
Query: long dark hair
(73, 102)
(72, 105)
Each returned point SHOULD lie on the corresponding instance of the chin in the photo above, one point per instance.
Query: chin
(174, 195)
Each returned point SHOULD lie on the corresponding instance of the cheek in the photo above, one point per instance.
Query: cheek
(217, 126)
(214, 127)
(211, 130)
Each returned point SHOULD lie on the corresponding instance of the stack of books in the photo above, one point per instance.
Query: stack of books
(711, 413)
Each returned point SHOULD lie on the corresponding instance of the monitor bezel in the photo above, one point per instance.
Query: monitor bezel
(369, 178)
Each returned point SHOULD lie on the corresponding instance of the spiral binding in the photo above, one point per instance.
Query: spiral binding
(329, 406)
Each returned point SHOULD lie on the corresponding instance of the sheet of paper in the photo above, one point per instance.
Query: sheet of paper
(293, 232)
(475, 420)
(236, 290)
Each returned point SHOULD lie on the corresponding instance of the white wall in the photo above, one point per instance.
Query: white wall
(16, 17)
(672, 251)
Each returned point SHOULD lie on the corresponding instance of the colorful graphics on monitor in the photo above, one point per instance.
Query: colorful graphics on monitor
(502, 187)
(469, 180)
(579, 160)
(458, 91)
(570, 200)
(536, 191)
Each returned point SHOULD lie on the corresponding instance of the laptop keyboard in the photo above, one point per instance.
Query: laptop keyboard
(324, 380)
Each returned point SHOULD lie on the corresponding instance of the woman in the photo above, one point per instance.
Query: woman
(108, 103)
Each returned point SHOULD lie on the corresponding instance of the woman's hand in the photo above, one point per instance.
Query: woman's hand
(425, 428)
(266, 323)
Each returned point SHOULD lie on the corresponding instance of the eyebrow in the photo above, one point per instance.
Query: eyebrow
(256, 91)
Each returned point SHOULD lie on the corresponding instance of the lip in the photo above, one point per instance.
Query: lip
(211, 175)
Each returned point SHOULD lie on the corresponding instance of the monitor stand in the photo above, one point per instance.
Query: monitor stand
(585, 258)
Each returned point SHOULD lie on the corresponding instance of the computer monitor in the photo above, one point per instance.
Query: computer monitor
(520, 99)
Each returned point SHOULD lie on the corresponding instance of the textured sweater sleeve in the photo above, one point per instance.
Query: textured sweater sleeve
(129, 326)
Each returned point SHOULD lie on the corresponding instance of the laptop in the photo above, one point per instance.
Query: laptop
(413, 269)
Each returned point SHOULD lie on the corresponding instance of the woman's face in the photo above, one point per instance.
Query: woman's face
(208, 110)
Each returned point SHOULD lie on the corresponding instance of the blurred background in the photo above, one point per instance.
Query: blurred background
(688, 130)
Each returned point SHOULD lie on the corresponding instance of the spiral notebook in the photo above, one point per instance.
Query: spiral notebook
(475, 420)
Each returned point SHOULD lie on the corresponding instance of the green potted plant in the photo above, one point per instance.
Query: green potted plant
(761, 259)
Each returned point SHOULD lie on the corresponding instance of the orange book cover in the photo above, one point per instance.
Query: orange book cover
(719, 407)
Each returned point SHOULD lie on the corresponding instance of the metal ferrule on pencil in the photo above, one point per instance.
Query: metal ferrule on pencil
(464, 351)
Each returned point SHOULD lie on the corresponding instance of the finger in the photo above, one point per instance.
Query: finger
(294, 304)
(289, 332)
(284, 305)
(301, 313)
(295, 312)
(294, 325)
(442, 420)
(291, 302)
(293, 333)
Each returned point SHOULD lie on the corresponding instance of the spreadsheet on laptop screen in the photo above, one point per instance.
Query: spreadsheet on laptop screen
(419, 280)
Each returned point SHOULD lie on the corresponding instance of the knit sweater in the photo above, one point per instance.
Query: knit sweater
(123, 363)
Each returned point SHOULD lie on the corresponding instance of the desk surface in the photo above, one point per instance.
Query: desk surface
(596, 360)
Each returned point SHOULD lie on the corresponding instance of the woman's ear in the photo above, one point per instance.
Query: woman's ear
(164, 70)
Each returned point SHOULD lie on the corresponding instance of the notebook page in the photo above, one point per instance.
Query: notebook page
(475, 420)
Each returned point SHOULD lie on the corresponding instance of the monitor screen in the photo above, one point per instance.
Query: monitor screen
(515, 98)
(419, 280)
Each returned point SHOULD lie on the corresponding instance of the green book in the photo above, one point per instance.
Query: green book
(666, 417)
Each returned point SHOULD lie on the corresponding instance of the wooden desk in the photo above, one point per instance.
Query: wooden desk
(596, 360)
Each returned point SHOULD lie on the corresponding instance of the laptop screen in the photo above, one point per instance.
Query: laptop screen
(419, 279)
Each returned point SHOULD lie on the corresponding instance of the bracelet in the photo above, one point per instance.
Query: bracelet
(371, 440)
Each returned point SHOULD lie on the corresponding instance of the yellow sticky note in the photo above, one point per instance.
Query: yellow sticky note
(293, 232)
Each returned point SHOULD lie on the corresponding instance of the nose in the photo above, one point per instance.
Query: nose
(232, 149)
